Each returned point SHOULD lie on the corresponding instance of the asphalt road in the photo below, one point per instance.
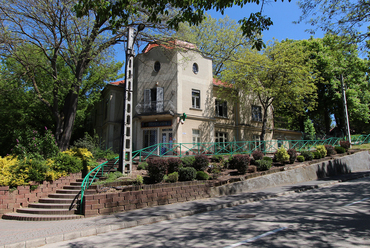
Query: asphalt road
(334, 216)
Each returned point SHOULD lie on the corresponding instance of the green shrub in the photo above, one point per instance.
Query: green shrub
(173, 164)
(201, 162)
(330, 150)
(240, 162)
(340, 149)
(139, 180)
(142, 166)
(157, 168)
(308, 156)
(68, 163)
(322, 150)
(267, 159)
(316, 155)
(345, 144)
(188, 161)
(292, 155)
(35, 168)
(263, 165)
(201, 175)
(282, 155)
(300, 158)
(217, 158)
(172, 177)
(257, 155)
(215, 170)
(187, 174)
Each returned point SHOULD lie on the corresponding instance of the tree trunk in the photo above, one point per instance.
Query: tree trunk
(263, 131)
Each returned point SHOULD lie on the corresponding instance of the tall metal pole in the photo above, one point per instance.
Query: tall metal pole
(125, 156)
(345, 108)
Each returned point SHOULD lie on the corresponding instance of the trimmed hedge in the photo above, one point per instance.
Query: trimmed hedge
(173, 165)
(187, 174)
(257, 155)
(340, 149)
(300, 158)
(263, 165)
(308, 156)
(240, 162)
(157, 168)
(201, 175)
(201, 162)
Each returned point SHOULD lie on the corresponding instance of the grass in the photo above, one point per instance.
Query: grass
(363, 146)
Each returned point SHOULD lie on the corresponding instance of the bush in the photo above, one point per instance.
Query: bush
(263, 165)
(267, 159)
(68, 163)
(345, 144)
(188, 161)
(215, 170)
(292, 155)
(201, 175)
(142, 166)
(240, 162)
(157, 168)
(173, 164)
(172, 177)
(139, 180)
(282, 155)
(308, 156)
(317, 155)
(187, 174)
(217, 158)
(330, 150)
(35, 168)
(322, 150)
(201, 162)
(340, 149)
(257, 155)
(300, 158)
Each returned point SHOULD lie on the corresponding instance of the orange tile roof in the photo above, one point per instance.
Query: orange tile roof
(168, 45)
(218, 82)
(121, 82)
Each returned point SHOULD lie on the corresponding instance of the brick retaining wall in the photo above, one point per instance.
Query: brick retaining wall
(145, 196)
(10, 199)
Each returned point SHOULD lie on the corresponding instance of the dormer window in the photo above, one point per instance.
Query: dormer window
(157, 66)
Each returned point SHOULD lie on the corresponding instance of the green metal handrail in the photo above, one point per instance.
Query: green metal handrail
(87, 182)
(221, 148)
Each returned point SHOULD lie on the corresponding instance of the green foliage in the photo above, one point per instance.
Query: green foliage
(33, 144)
(215, 170)
(217, 158)
(68, 163)
(187, 174)
(240, 162)
(157, 168)
(91, 143)
(173, 164)
(292, 155)
(309, 130)
(308, 156)
(317, 155)
(36, 169)
(201, 175)
(330, 150)
(201, 162)
(340, 149)
(142, 166)
(263, 165)
(322, 150)
(139, 180)
(267, 159)
(257, 155)
(188, 161)
(172, 177)
(300, 158)
(282, 155)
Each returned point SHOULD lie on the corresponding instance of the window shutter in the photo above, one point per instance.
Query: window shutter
(159, 106)
(147, 100)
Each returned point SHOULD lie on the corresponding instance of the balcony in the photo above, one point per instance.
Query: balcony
(155, 107)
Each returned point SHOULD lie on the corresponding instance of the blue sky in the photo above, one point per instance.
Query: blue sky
(282, 14)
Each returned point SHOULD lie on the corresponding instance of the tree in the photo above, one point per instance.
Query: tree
(221, 39)
(279, 76)
(339, 17)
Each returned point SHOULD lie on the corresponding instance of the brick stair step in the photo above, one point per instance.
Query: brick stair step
(57, 200)
(67, 196)
(73, 187)
(33, 217)
(67, 191)
(51, 205)
(47, 211)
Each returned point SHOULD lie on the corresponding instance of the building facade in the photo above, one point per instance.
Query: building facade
(176, 100)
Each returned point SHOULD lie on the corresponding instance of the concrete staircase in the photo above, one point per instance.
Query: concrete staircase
(62, 205)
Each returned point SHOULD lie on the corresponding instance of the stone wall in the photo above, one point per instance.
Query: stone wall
(11, 199)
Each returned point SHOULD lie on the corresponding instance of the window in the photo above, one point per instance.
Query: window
(221, 108)
(221, 137)
(195, 97)
(196, 136)
(157, 66)
(195, 68)
(256, 142)
(153, 100)
(150, 138)
(256, 113)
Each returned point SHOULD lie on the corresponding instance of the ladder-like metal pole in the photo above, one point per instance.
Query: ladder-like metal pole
(125, 158)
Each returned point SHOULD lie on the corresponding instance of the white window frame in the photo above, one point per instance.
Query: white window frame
(195, 98)
(221, 106)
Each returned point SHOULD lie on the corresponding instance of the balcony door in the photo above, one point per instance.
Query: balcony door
(153, 100)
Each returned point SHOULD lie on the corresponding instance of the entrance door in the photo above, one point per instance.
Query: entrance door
(167, 141)
(150, 139)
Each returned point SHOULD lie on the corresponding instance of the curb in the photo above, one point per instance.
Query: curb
(150, 220)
